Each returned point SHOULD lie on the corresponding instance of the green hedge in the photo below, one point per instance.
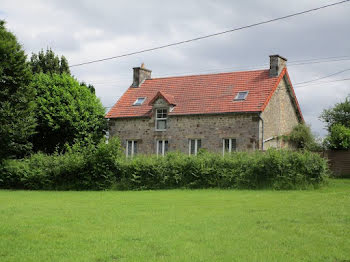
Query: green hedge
(90, 168)
(103, 167)
(276, 169)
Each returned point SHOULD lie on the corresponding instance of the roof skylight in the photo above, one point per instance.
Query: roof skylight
(241, 95)
(139, 101)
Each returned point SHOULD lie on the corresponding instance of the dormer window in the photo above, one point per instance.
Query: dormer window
(139, 101)
(241, 96)
(161, 119)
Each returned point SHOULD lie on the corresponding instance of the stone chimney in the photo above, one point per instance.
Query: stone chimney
(140, 75)
(277, 63)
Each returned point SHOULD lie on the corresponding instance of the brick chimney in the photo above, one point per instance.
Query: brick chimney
(277, 63)
(140, 75)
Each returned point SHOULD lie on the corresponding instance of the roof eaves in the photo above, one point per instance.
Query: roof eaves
(294, 96)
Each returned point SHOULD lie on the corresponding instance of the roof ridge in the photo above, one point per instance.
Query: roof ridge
(210, 74)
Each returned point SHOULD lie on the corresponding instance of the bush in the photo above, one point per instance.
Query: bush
(277, 169)
(338, 138)
(90, 168)
(102, 167)
(302, 138)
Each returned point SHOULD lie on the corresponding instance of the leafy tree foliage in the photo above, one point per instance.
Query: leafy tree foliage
(337, 120)
(339, 114)
(48, 62)
(302, 138)
(17, 122)
(66, 113)
(338, 138)
(88, 86)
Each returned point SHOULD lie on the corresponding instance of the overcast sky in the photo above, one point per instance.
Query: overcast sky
(84, 30)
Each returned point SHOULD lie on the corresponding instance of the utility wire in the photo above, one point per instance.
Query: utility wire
(212, 35)
(221, 70)
(323, 77)
(324, 82)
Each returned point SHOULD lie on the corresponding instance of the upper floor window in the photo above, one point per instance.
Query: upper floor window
(161, 119)
(194, 145)
(139, 101)
(229, 145)
(241, 95)
(131, 148)
(162, 147)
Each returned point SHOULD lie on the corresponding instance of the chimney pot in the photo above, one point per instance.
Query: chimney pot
(277, 64)
(140, 75)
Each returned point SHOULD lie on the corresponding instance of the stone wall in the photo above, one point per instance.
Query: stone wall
(279, 116)
(211, 129)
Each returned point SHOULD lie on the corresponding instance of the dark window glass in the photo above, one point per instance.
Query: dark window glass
(227, 145)
(129, 145)
(162, 144)
(234, 144)
(166, 146)
(135, 147)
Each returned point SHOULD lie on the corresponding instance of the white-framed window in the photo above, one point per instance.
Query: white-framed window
(161, 119)
(131, 148)
(229, 145)
(139, 101)
(241, 95)
(193, 146)
(162, 147)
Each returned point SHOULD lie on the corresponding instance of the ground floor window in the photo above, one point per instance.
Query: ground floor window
(229, 145)
(162, 147)
(131, 148)
(194, 145)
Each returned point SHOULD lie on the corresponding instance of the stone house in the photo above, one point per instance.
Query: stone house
(223, 112)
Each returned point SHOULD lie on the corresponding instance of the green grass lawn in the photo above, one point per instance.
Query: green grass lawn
(177, 225)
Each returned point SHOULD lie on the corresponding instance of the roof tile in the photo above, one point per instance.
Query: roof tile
(201, 94)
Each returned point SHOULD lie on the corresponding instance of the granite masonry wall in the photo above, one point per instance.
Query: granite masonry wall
(280, 116)
(211, 129)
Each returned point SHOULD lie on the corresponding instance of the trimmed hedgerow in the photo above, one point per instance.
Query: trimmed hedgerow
(276, 169)
(89, 168)
(103, 167)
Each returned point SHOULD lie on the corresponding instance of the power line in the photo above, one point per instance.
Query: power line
(325, 82)
(323, 77)
(221, 70)
(322, 61)
(211, 35)
(322, 58)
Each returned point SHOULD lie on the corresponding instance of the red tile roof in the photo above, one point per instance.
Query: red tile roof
(202, 94)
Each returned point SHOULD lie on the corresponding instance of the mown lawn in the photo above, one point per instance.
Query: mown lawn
(177, 225)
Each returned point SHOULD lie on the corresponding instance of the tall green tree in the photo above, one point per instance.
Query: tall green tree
(338, 138)
(337, 120)
(88, 86)
(17, 122)
(49, 62)
(339, 114)
(66, 113)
